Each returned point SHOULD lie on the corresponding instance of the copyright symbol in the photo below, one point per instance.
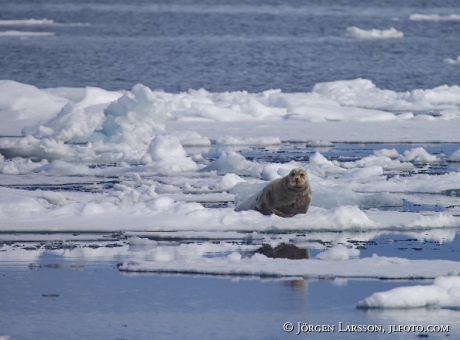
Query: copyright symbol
(288, 327)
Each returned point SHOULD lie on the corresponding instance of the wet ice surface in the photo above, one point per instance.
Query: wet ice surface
(73, 279)
(82, 286)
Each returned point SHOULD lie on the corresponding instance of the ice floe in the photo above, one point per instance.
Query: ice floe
(15, 33)
(452, 61)
(443, 293)
(36, 22)
(358, 33)
(260, 265)
(434, 17)
(228, 140)
(455, 157)
(115, 126)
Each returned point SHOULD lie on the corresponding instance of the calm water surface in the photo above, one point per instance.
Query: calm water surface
(223, 45)
(96, 301)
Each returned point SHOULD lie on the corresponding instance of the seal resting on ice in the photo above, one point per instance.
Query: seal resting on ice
(285, 197)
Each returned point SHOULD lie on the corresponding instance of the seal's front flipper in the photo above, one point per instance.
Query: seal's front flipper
(280, 214)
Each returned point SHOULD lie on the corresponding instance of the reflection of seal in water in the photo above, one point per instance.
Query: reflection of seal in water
(284, 251)
(285, 197)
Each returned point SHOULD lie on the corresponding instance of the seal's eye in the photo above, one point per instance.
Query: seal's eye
(292, 174)
(302, 175)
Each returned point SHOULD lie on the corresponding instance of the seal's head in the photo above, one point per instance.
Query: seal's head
(297, 178)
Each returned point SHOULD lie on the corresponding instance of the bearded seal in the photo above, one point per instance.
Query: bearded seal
(285, 196)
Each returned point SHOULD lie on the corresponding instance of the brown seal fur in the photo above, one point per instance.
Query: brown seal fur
(285, 197)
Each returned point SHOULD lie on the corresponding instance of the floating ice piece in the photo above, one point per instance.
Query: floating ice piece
(418, 155)
(363, 93)
(260, 265)
(313, 107)
(77, 121)
(165, 153)
(387, 153)
(138, 241)
(358, 33)
(422, 183)
(26, 34)
(363, 174)
(320, 143)
(443, 293)
(26, 22)
(139, 110)
(243, 190)
(434, 17)
(228, 140)
(197, 235)
(190, 138)
(36, 22)
(385, 162)
(273, 171)
(22, 104)
(332, 195)
(439, 220)
(322, 167)
(455, 157)
(59, 167)
(230, 162)
(19, 166)
(338, 253)
(228, 181)
(452, 61)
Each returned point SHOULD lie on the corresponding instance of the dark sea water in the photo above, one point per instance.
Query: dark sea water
(224, 45)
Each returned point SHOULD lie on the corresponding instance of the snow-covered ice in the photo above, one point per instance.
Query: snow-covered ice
(164, 166)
